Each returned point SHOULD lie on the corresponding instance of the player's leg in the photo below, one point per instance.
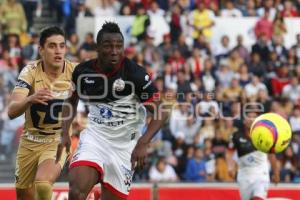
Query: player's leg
(47, 173)
(26, 167)
(117, 176)
(260, 188)
(107, 194)
(245, 188)
(81, 181)
(25, 194)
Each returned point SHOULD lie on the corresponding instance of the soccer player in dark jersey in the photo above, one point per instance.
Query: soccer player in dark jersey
(253, 166)
(111, 146)
(40, 91)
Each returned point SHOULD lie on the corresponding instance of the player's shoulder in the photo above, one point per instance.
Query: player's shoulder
(133, 69)
(70, 65)
(84, 65)
(31, 68)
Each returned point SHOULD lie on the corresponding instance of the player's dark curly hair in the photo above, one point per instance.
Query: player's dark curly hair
(108, 27)
(48, 32)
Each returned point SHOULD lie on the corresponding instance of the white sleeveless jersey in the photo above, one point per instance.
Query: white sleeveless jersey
(255, 161)
(115, 100)
(120, 121)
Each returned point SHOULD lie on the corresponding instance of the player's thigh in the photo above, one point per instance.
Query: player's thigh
(260, 188)
(25, 194)
(48, 170)
(108, 195)
(83, 178)
(245, 188)
(26, 166)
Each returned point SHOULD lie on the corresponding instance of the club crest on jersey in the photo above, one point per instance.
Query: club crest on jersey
(105, 113)
(119, 85)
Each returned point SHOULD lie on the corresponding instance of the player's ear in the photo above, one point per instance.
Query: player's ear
(41, 50)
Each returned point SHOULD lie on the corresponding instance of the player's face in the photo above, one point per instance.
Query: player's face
(111, 49)
(53, 51)
(249, 119)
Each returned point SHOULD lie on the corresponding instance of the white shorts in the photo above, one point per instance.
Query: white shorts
(253, 186)
(112, 163)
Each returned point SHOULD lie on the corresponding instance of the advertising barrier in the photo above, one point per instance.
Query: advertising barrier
(217, 191)
(60, 192)
(179, 191)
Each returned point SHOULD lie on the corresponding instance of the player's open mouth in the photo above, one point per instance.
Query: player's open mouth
(58, 58)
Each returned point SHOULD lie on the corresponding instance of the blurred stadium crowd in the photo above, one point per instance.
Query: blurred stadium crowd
(217, 81)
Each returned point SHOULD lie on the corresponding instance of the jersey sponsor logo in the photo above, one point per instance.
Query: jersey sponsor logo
(106, 113)
(111, 124)
(119, 85)
(250, 159)
(88, 81)
(60, 94)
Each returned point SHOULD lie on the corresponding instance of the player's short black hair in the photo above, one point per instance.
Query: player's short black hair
(108, 27)
(48, 32)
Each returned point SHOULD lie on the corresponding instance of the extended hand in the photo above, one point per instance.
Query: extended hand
(275, 178)
(139, 155)
(41, 96)
(64, 143)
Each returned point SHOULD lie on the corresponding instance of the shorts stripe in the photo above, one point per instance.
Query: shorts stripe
(114, 191)
(90, 164)
(100, 170)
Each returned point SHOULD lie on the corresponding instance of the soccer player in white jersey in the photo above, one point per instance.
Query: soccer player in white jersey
(253, 173)
(111, 147)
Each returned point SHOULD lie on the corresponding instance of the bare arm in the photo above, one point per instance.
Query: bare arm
(275, 168)
(156, 122)
(17, 105)
(140, 151)
(19, 102)
(69, 110)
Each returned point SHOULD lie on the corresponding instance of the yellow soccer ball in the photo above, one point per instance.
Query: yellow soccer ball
(270, 133)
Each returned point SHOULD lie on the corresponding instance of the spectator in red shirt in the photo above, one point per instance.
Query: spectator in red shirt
(177, 62)
(264, 26)
(280, 80)
(289, 10)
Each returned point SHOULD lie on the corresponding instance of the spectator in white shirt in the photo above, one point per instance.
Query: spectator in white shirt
(230, 10)
(295, 119)
(162, 172)
(208, 106)
(268, 5)
(155, 10)
(292, 90)
(254, 86)
(178, 119)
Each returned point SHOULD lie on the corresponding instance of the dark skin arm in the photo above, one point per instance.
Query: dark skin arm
(69, 110)
(139, 153)
(275, 168)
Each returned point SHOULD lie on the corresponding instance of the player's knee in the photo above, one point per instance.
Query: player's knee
(43, 190)
(75, 193)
